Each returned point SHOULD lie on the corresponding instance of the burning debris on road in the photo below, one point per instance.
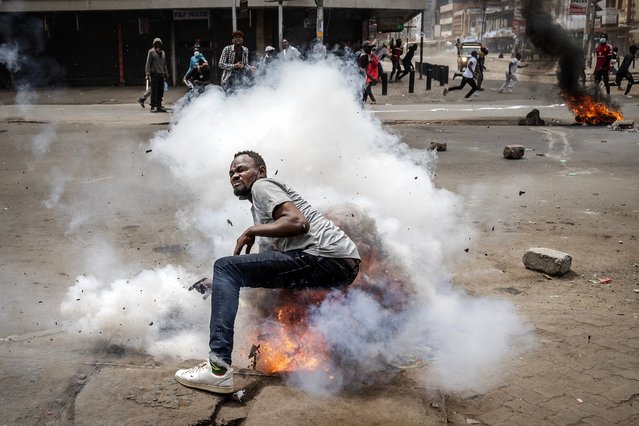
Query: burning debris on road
(553, 40)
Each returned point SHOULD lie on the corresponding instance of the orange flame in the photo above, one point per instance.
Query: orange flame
(286, 341)
(589, 111)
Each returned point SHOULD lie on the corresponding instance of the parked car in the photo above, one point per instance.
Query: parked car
(464, 53)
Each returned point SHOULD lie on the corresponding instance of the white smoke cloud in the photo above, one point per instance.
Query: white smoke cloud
(143, 313)
(42, 141)
(308, 124)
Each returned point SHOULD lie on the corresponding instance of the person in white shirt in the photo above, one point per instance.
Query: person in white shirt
(467, 77)
(288, 52)
(511, 73)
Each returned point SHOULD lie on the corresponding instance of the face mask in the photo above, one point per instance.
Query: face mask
(602, 40)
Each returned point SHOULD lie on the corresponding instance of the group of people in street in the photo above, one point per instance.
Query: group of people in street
(607, 62)
(237, 72)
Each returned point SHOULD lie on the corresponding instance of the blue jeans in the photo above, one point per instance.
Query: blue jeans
(272, 269)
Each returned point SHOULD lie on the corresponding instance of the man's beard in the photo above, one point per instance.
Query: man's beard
(243, 193)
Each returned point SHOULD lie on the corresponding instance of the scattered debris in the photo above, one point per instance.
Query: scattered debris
(472, 422)
(623, 125)
(510, 290)
(239, 395)
(541, 155)
(636, 290)
(438, 146)
(532, 119)
(548, 277)
(549, 261)
(521, 193)
(229, 222)
(203, 286)
(605, 280)
(579, 400)
(149, 150)
(513, 152)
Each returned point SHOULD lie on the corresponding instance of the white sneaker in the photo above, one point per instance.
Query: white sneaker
(510, 90)
(476, 94)
(628, 96)
(201, 377)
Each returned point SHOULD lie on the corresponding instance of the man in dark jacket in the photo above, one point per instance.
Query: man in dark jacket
(157, 72)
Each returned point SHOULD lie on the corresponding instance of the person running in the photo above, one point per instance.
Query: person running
(511, 73)
(306, 250)
(407, 61)
(288, 52)
(467, 77)
(624, 71)
(396, 54)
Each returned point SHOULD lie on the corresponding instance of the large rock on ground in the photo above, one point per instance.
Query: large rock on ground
(514, 152)
(549, 261)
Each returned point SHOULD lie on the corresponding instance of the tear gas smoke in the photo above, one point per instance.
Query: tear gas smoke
(306, 120)
(23, 54)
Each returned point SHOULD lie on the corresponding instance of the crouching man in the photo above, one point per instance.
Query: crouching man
(306, 251)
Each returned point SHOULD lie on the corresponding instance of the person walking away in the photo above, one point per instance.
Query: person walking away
(306, 251)
(234, 63)
(467, 77)
(156, 70)
(369, 65)
(288, 52)
(511, 73)
(602, 66)
(407, 61)
(624, 71)
(396, 53)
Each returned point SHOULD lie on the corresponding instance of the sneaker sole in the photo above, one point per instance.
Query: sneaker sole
(202, 386)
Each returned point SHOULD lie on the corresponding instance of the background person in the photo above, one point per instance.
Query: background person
(156, 70)
(624, 71)
(234, 62)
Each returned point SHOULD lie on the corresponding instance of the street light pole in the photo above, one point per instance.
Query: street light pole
(319, 26)
(234, 15)
(280, 23)
(421, 47)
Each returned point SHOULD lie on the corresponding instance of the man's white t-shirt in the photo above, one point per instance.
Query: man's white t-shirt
(470, 67)
(323, 238)
(514, 64)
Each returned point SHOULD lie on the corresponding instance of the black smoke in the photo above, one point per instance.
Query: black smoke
(552, 39)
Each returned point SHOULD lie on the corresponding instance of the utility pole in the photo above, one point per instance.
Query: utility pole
(234, 15)
(421, 47)
(592, 15)
(319, 26)
(280, 23)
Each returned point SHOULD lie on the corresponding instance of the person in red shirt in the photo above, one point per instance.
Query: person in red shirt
(396, 53)
(369, 65)
(602, 67)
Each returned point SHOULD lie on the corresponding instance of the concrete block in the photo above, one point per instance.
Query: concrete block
(438, 145)
(623, 125)
(549, 261)
(514, 152)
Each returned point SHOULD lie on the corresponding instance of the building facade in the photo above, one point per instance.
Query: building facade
(105, 42)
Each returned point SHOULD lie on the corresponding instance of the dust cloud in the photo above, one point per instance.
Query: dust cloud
(306, 120)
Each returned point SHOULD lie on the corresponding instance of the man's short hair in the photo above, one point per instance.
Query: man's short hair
(259, 161)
